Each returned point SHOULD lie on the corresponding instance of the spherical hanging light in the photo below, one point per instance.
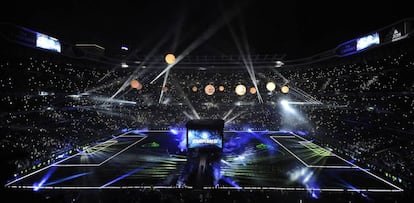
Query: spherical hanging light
(221, 88)
(253, 90)
(136, 84)
(209, 89)
(270, 86)
(194, 88)
(284, 89)
(240, 90)
(170, 59)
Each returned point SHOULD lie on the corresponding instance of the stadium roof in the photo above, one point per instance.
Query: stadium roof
(290, 28)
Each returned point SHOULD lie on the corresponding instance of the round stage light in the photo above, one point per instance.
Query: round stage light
(253, 90)
(136, 84)
(284, 89)
(240, 90)
(209, 89)
(221, 88)
(270, 86)
(170, 59)
(194, 89)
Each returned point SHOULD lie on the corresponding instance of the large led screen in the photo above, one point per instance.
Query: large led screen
(367, 41)
(197, 138)
(46, 42)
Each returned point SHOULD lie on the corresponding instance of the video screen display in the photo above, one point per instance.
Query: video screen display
(367, 41)
(204, 138)
(46, 42)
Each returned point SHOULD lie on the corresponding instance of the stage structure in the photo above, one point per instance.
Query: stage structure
(204, 151)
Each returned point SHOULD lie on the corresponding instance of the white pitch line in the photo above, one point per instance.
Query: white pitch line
(106, 160)
(54, 164)
(290, 152)
(281, 136)
(332, 166)
(366, 171)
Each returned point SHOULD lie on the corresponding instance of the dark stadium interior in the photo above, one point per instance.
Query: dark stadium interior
(93, 109)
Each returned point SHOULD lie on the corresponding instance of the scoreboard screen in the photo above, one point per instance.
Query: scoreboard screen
(357, 45)
(205, 133)
(46, 42)
(204, 138)
(367, 41)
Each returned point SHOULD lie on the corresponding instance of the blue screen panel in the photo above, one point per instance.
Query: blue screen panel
(204, 138)
(46, 42)
(367, 41)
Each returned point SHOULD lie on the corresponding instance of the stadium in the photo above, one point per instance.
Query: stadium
(78, 125)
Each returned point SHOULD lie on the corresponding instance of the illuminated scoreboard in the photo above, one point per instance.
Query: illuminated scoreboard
(205, 133)
(204, 138)
(389, 34)
(47, 42)
(357, 45)
(30, 38)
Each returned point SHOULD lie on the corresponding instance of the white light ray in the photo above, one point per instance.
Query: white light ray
(234, 117)
(205, 36)
(246, 58)
(163, 85)
(228, 113)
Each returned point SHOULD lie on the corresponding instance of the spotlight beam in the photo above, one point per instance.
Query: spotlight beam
(304, 103)
(201, 39)
(234, 117)
(151, 53)
(305, 95)
(244, 52)
(188, 115)
(228, 113)
(109, 100)
(110, 84)
(126, 83)
(285, 80)
(105, 76)
(163, 85)
(184, 96)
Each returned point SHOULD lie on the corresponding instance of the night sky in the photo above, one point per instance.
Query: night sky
(291, 28)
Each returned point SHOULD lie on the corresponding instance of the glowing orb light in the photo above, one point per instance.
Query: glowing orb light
(170, 59)
(284, 89)
(194, 89)
(270, 86)
(240, 90)
(136, 84)
(253, 90)
(209, 89)
(221, 88)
